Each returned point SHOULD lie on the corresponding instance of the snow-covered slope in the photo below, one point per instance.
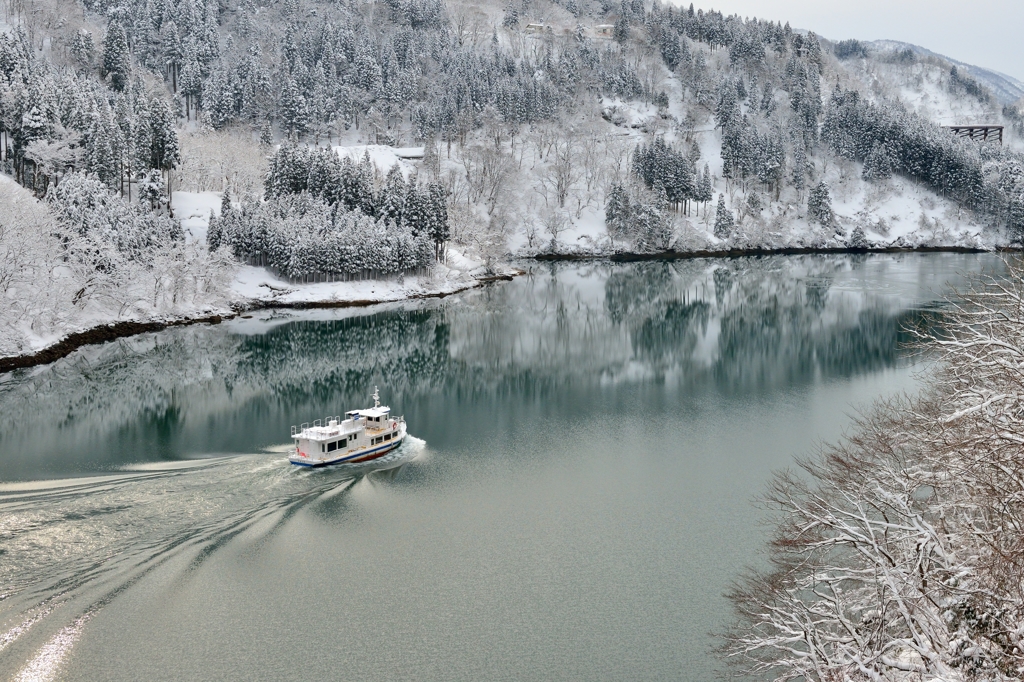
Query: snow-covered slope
(1007, 89)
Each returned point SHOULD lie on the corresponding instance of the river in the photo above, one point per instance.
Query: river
(578, 493)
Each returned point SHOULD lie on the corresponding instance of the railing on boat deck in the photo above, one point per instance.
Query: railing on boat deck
(317, 424)
(297, 430)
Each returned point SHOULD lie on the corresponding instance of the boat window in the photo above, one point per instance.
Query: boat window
(331, 447)
(323, 447)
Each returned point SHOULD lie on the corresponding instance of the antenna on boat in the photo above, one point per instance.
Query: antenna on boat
(376, 397)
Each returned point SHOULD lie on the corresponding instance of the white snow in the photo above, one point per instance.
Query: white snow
(254, 285)
(193, 209)
(409, 152)
(382, 156)
(630, 114)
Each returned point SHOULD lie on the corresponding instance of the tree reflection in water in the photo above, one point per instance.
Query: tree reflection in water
(730, 325)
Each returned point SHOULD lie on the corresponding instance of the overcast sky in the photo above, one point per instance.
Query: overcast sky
(987, 33)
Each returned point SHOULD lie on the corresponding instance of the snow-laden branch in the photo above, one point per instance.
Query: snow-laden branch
(898, 555)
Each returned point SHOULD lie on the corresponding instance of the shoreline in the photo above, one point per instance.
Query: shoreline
(628, 257)
(123, 329)
(117, 330)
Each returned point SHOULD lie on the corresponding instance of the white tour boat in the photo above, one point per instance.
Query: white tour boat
(363, 435)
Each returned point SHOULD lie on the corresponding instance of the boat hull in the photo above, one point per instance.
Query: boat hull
(357, 457)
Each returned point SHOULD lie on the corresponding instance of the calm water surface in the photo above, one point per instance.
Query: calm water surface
(588, 440)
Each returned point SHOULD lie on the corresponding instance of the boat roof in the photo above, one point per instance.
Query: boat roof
(324, 432)
(371, 411)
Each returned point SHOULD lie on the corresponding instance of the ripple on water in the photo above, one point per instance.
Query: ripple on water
(74, 544)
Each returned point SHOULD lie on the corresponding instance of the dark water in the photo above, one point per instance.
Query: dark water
(576, 499)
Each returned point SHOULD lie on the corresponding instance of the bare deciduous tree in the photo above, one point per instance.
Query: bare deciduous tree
(899, 553)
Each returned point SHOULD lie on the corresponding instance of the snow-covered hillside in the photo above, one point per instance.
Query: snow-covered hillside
(425, 144)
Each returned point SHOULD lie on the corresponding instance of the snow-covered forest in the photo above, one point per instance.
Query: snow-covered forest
(171, 145)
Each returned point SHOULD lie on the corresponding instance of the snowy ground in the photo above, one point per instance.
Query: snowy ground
(383, 157)
(254, 285)
(193, 209)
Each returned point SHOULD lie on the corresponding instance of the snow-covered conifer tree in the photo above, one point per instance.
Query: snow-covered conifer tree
(117, 63)
(706, 189)
(392, 197)
(214, 232)
(294, 109)
(819, 204)
(617, 211)
(440, 228)
(164, 152)
(880, 162)
(724, 219)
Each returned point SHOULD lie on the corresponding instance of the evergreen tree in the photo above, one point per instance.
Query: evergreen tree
(225, 202)
(294, 109)
(880, 162)
(617, 211)
(724, 220)
(799, 167)
(416, 213)
(289, 171)
(103, 149)
(440, 229)
(117, 63)
(323, 179)
(670, 51)
(164, 153)
(392, 198)
(651, 232)
(819, 204)
(705, 188)
(511, 18)
(1015, 216)
(366, 201)
(620, 33)
(220, 100)
(214, 232)
(728, 109)
(859, 239)
(34, 126)
(754, 205)
(768, 100)
(266, 135)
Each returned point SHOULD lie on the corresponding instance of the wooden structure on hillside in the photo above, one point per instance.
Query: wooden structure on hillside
(539, 28)
(982, 133)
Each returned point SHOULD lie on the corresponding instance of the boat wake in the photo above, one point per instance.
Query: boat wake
(71, 547)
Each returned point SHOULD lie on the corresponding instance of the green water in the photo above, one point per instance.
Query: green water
(577, 497)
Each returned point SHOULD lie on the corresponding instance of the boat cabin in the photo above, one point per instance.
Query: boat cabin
(373, 418)
(360, 428)
(361, 436)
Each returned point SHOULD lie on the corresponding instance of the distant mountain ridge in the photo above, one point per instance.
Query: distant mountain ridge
(1006, 89)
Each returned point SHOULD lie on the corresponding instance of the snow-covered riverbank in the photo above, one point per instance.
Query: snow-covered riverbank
(252, 288)
(56, 304)
(32, 336)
